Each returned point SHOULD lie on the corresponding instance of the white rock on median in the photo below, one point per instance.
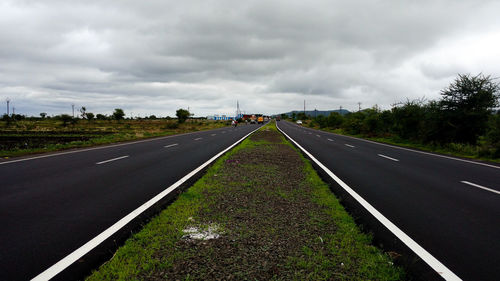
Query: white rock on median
(198, 233)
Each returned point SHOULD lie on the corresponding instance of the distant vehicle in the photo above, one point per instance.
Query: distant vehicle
(260, 120)
(299, 122)
(278, 118)
(253, 119)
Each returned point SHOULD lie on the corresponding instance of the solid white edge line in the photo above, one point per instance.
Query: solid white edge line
(99, 147)
(482, 187)
(110, 160)
(435, 264)
(170, 145)
(387, 157)
(416, 151)
(87, 247)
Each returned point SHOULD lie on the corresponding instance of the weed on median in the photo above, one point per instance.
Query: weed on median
(262, 213)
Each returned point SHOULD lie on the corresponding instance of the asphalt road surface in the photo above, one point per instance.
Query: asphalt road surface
(450, 207)
(50, 206)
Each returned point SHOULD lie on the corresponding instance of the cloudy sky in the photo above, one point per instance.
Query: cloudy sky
(153, 57)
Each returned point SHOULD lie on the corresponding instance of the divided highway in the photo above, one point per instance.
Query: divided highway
(50, 205)
(450, 207)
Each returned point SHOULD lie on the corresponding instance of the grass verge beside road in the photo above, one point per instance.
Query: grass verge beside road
(262, 213)
(29, 137)
(475, 152)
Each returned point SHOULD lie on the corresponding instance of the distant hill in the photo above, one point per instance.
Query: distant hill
(314, 113)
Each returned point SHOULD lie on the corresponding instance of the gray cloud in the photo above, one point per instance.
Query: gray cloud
(154, 57)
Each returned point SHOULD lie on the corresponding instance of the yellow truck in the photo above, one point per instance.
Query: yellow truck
(260, 120)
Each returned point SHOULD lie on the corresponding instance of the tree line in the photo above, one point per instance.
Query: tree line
(118, 114)
(465, 114)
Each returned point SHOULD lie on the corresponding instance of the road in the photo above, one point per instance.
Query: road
(450, 207)
(53, 204)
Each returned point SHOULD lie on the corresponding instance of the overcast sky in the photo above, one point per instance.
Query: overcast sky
(153, 57)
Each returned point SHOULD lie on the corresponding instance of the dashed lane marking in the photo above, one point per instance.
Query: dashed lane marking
(387, 157)
(482, 187)
(349, 145)
(110, 160)
(170, 145)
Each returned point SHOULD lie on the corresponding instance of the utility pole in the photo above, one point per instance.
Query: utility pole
(304, 106)
(340, 110)
(359, 106)
(73, 109)
(8, 101)
(13, 111)
(238, 111)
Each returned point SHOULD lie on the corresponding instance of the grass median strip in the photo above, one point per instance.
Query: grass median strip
(260, 213)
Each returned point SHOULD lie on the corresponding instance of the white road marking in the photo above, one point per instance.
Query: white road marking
(223, 132)
(418, 151)
(387, 157)
(349, 145)
(87, 247)
(170, 145)
(330, 140)
(198, 139)
(310, 133)
(480, 186)
(213, 135)
(435, 264)
(110, 160)
(92, 148)
(318, 136)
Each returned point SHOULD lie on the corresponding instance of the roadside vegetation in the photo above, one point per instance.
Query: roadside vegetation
(464, 122)
(260, 213)
(20, 135)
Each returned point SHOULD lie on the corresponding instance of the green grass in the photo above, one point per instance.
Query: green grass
(98, 132)
(331, 245)
(476, 152)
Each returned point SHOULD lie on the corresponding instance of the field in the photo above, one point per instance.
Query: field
(260, 213)
(27, 137)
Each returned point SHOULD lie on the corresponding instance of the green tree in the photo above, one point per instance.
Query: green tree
(409, 120)
(89, 115)
(43, 114)
(65, 118)
(302, 116)
(83, 113)
(353, 122)
(321, 120)
(466, 106)
(335, 120)
(372, 123)
(182, 115)
(493, 135)
(100, 116)
(118, 114)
